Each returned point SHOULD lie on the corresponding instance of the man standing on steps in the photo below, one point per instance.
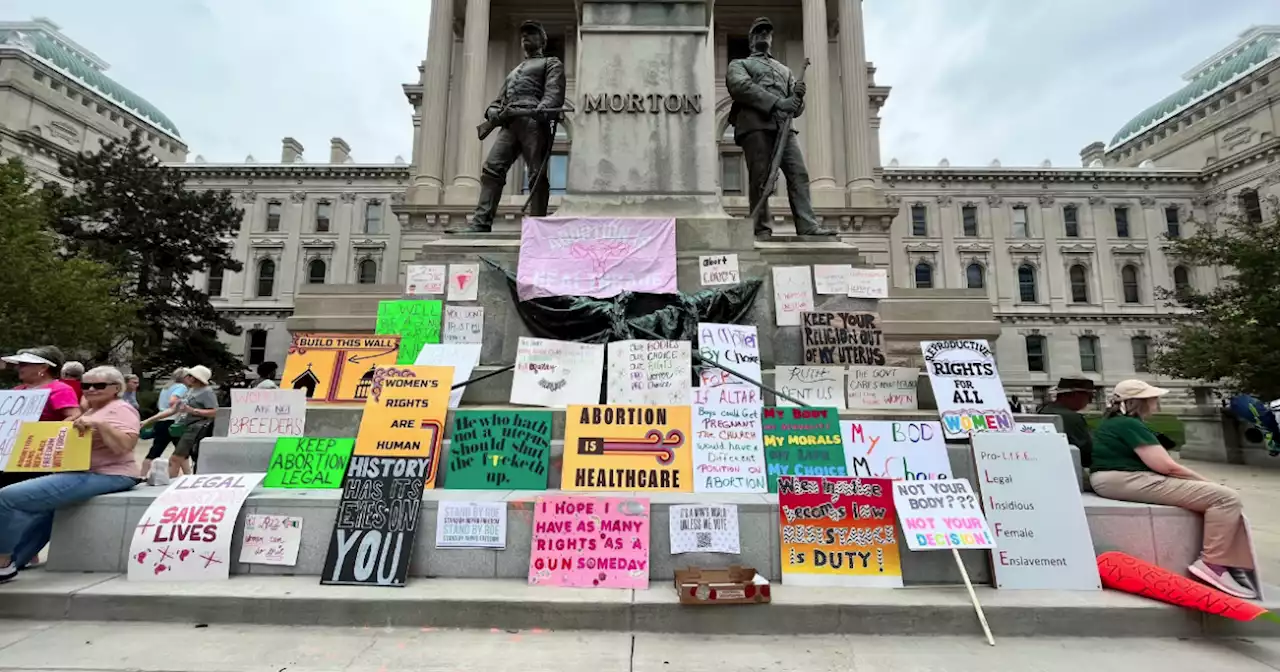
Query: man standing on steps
(764, 92)
(536, 85)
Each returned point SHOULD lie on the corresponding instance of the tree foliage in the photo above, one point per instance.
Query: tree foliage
(1232, 338)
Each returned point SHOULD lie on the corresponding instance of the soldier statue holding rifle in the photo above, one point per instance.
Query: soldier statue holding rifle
(524, 115)
(766, 98)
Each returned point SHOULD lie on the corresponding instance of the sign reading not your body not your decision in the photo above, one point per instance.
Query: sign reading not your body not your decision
(598, 257)
(941, 514)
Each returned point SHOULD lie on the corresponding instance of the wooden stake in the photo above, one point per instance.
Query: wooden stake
(982, 618)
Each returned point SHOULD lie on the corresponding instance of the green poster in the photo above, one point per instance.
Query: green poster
(802, 441)
(499, 450)
(309, 463)
(416, 322)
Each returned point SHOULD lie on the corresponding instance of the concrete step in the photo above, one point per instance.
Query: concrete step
(512, 604)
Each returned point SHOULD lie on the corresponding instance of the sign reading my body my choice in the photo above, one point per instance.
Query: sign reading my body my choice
(802, 441)
(967, 387)
(628, 448)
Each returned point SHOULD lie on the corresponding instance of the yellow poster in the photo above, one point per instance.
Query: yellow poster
(405, 414)
(50, 446)
(336, 368)
(619, 447)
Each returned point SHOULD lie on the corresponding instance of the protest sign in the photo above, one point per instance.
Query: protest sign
(17, 407)
(733, 345)
(471, 524)
(1032, 499)
(556, 374)
(259, 413)
(463, 324)
(728, 448)
(869, 283)
(590, 542)
(940, 514)
(271, 540)
(967, 387)
(727, 395)
(464, 282)
(627, 448)
(50, 447)
(596, 256)
(719, 269)
(492, 450)
(838, 532)
(1037, 428)
(372, 539)
(833, 339)
(832, 279)
(185, 534)
(416, 322)
(874, 388)
(913, 451)
(336, 368)
(405, 415)
(424, 280)
(792, 294)
(649, 372)
(704, 528)
(802, 442)
(461, 357)
(311, 463)
(814, 385)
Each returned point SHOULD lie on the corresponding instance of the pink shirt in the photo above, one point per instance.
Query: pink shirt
(61, 397)
(102, 460)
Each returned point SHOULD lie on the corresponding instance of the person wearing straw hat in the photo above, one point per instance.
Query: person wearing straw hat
(194, 418)
(1130, 464)
(1071, 396)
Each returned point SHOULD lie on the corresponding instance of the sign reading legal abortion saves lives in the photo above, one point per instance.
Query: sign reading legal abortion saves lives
(728, 449)
(258, 413)
(185, 534)
(838, 532)
(336, 368)
(627, 448)
(941, 514)
(600, 257)
(17, 407)
(912, 451)
(733, 345)
(967, 387)
(802, 441)
(590, 542)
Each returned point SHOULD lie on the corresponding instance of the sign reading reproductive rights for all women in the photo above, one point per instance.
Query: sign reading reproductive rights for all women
(967, 387)
(600, 257)
(590, 542)
(259, 413)
(492, 450)
(406, 413)
(416, 321)
(185, 535)
(311, 463)
(336, 368)
(802, 441)
(17, 407)
(912, 451)
(628, 448)
(941, 514)
(838, 532)
(50, 447)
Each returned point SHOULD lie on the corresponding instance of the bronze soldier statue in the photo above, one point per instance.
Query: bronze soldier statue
(765, 94)
(530, 98)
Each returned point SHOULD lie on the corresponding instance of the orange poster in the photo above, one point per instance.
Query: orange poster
(621, 447)
(405, 414)
(336, 368)
(49, 447)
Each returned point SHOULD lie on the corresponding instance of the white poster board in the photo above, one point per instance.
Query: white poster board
(727, 395)
(875, 388)
(557, 374)
(814, 385)
(653, 373)
(967, 387)
(1037, 428)
(704, 528)
(463, 324)
(471, 524)
(869, 283)
(17, 407)
(938, 515)
(267, 413)
(792, 294)
(185, 535)
(832, 279)
(271, 540)
(463, 357)
(719, 269)
(735, 346)
(464, 282)
(1031, 495)
(898, 450)
(728, 449)
(424, 280)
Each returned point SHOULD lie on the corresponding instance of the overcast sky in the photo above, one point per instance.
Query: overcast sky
(973, 80)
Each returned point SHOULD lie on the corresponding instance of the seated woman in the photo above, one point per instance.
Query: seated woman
(1130, 464)
(26, 508)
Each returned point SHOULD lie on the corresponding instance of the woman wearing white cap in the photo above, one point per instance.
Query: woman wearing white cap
(38, 369)
(1131, 464)
(195, 414)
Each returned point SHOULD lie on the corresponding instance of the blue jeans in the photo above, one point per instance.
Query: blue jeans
(27, 508)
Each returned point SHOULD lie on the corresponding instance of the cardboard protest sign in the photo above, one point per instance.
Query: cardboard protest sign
(869, 283)
(735, 346)
(50, 447)
(913, 451)
(728, 448)
(727, 395)
(424, 280)
(832, 279)
(649, 372)
(596, 256)
(557, 373)
(627, 448)
(967, 387)
(802, 442)
(883, 387)
(415, 321)
(463, 324)
(185, 535)
(464, 282)
(837, 339)
(1031, 495)
(941, 514)
(492, 450)
(17, 407)
(704, 528)
(838, 532)
(720, 269)
(471, 524)
(792, 294)
(377, 521)
(271, 540)
(311, 463)
(259, 413)
(590, 542)
(814, 385)
(461, 357)
(336, 368)
(405, 415)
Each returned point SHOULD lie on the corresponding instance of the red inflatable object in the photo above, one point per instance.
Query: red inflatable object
(1120, 571)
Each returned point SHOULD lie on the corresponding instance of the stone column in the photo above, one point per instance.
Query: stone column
(817, 106)
(434, 114)
(475, 57)
(853, 86)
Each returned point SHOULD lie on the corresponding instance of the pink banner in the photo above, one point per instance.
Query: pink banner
(590, 542)
(596, 256)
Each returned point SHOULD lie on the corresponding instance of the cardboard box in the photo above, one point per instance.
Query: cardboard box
(734, 585)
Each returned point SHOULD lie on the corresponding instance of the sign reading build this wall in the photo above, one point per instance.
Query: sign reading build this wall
(967, 387)
(838, 532)
(185, 534)
(499, 449)
(590, 542)
(627, 448)
(802, 441)
(336, 368)
(832, 339)
(598, 257)
(416, 322)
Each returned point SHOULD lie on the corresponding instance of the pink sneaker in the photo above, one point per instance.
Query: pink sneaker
(1220, 578)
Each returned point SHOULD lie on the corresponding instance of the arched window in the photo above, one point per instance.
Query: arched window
(1027, 283)
(1251, 206)
(975, 276)
(1129, 280)
(316, 272)
(368, 272)
(266, 278)
(1181, 278)
(924, 276)
(1079, 284)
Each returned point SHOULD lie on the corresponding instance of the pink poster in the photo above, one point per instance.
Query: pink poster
(590, 542)
(596, 256)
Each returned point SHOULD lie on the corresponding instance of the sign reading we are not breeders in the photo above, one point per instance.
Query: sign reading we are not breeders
(267, 413)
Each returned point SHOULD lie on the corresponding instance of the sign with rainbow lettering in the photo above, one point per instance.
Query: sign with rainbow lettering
(941, 514)
(838, 532)
(967, 387)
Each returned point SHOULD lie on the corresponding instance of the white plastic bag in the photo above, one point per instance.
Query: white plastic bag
(159, 472)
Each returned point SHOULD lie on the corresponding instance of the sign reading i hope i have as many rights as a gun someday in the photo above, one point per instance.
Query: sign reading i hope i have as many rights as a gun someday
(940, 514)
(590, 542)
(967, 387)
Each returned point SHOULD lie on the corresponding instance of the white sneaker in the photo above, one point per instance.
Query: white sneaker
(1220, 578)
(9, 572)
